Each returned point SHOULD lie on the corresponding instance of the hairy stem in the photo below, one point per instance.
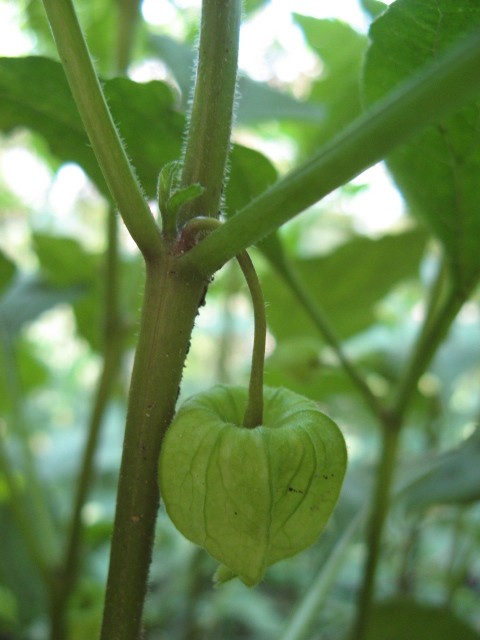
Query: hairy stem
(170, 304)
(101, 130)
(442, 87)
(254, 411)
(210, 124)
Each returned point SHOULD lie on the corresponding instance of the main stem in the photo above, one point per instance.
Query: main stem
(171, 301)
(170, 305)
(211, 117)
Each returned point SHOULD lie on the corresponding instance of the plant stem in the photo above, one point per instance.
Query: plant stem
(196, 230)
(443, 307)
(171, 300)
(381, 503)
(254, 411)
(436, 325)
(440, 88)
(170, 305)
(37, 504)
(210, 124)
(112, 339)
(101, 130)
(299, 625)
(128, 16)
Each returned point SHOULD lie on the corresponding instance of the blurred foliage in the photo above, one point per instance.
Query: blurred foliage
(372, 289)
(438, 170)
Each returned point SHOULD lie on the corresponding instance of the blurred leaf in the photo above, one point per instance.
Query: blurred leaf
(438, 170)
(89, 309)
(64, 261)
(150, 125)
(31, 371)
(341, 50)
(17, 573)
(345, 283)
(28, 298)
(257, 101)
(453, 478)
(7, 271)
(252, 5)
(85, 614)
(251, 173)
(373, 7)
(145, 114)
(8, 609)
(402, 619)
(98, 20)
(296, 363)
(47, 108)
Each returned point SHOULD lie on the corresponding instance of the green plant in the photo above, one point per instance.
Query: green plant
(420, 84)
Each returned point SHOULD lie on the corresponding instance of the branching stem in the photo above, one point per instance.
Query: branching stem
(103, 135)
(444, 304)
(211, 117)
(440, 88)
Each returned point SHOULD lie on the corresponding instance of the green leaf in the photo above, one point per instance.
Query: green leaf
(257, 101)
(402, 619)
(7, 271)
(251, 173)
(345, 283)
(183, 196)
(251, 497)
(373, 7)
(145, 114)
(296, 364)
(438, 170)
(64, 261)
(167, 180)
(8, 609)
(341, 50)
(99, 21)
(88, 309)
(28, 298)
(18, 575)
(453, 477)
(31, 372)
